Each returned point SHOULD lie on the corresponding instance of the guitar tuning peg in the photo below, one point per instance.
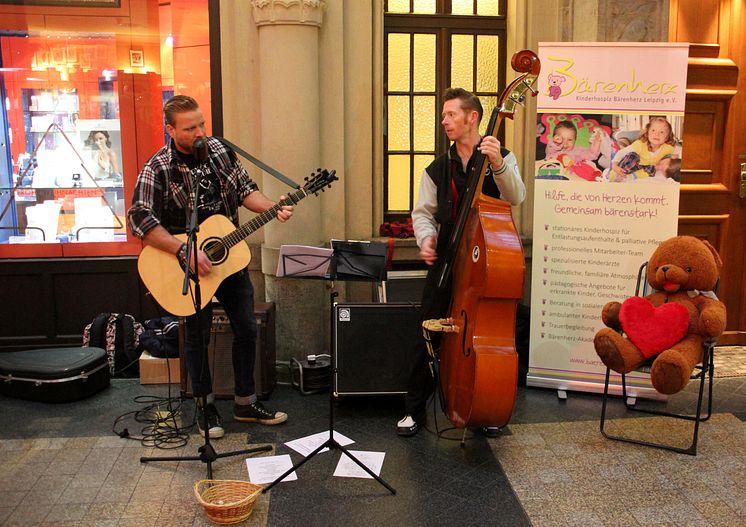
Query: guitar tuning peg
(318, 170)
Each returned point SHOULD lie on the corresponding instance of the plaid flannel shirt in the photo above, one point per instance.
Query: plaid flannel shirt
(163, 192)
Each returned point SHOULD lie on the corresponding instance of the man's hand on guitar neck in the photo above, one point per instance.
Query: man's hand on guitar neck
(258, 202)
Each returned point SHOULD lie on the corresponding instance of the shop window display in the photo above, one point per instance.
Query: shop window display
(66, 183)
(79, 159)
(78, 117)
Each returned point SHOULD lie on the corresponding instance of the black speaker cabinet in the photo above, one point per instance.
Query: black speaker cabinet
(374, 345)
(220, 353)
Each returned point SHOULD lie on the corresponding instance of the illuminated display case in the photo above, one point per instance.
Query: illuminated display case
(83, 90)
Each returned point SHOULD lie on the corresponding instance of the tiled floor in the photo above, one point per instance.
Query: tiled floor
(63, 465)
(730, 361)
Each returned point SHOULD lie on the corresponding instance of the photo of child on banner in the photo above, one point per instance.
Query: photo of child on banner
(609, 148)
(573, 147)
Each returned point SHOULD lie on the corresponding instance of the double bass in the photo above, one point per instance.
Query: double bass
(484, 268)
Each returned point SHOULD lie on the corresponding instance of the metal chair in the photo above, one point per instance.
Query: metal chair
(705, 369)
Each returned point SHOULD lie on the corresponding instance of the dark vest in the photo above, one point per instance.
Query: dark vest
(446, 172)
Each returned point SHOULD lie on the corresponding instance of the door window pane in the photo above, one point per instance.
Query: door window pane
(462, 7)
(420, 163)
(398, 184)
(424, 123)
(424, 7)
(398, 61)
(398, 122)
(487, 63)
(397, 6)
(424, 62)
(488, 7)
(462, 61)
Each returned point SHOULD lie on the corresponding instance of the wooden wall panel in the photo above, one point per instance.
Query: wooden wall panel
(48, 302)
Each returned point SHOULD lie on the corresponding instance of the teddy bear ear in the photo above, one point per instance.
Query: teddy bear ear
(715, 254)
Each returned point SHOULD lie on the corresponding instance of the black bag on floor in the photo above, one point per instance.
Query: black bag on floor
(161, 337)
(54, 375)
(119, 334)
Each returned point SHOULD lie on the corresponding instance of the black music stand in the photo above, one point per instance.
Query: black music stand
(347, 260)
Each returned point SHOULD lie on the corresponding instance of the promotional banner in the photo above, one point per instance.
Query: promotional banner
(608, 165)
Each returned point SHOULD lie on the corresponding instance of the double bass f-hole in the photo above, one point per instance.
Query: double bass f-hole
(466, 350)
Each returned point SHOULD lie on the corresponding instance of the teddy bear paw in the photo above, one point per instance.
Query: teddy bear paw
(670, 372)
(616, 352)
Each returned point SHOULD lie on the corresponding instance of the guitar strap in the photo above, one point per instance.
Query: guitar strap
(289, 182)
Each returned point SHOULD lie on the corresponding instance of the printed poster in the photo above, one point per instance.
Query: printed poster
(607, 174)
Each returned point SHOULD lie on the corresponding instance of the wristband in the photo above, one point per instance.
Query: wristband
(500, 170)
(181, 253)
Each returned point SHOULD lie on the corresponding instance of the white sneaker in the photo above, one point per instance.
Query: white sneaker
(407, 426)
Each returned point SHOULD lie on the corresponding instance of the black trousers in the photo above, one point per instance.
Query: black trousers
(421, 383)
(236, 294)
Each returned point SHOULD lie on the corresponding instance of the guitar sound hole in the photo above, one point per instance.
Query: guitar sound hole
(215, 250)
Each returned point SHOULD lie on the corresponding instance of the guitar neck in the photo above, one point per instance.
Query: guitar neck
(245, 230)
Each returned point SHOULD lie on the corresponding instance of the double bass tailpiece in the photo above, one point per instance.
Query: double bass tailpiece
(442, 325)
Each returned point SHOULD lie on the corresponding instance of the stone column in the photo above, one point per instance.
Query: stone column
(288, 109)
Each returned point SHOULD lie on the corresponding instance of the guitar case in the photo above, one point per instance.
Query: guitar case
(54, 375)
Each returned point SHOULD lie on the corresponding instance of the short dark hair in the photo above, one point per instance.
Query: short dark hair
(178, 104)
(469, 101)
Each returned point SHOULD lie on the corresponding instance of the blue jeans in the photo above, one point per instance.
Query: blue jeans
(236, 295)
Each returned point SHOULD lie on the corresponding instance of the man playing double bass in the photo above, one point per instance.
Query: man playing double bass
(441, 186)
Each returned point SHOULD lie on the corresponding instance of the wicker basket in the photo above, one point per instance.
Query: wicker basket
(226, 501)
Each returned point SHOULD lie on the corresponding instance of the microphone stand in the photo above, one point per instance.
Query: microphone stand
(207, 453)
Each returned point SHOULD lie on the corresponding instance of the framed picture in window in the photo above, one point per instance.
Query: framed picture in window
(72, 55)
(85, 60)
(58, 56)
(137, 58)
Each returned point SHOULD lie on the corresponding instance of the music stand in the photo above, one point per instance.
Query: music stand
(346, 260)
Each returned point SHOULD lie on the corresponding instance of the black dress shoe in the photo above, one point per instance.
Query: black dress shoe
(407, 426)
(491, 431)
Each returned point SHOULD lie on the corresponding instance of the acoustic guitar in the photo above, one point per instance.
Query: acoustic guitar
(222, 242)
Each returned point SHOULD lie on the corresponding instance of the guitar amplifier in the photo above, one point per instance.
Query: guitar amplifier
(220, 354)
(374, 347)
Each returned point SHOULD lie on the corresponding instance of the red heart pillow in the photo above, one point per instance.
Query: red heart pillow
(653, 329)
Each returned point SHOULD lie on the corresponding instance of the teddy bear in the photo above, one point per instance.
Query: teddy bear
(671, 323)
(555, 90)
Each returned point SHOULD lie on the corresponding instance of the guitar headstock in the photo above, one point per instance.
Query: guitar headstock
(323, 178)
(525, 62)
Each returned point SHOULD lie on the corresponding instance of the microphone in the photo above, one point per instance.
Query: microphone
(199, 150)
